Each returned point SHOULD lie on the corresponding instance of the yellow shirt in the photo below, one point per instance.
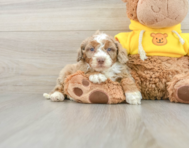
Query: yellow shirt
(155, 42)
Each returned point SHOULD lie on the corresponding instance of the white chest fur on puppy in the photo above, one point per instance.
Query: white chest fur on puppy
(112, 72)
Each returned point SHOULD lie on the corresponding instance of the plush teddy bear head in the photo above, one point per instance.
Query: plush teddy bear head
(157, 13)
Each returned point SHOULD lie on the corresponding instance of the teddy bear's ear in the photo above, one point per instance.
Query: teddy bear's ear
(81, 49)
(124, 1)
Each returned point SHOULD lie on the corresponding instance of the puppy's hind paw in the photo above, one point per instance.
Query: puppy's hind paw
(57, 97)
(133, 98)
(47, 96)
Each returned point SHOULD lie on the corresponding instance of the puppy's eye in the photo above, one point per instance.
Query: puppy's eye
(109, 49)
(92, 49)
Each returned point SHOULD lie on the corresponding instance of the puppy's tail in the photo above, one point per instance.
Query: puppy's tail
(47, 96)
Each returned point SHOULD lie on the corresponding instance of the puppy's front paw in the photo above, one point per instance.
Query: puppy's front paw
(133, 98)
(97, 78)
(57, 97)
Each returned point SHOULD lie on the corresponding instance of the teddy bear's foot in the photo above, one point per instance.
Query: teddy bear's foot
(95, 96)
(178, 89)
(183, 93)
(79, 87)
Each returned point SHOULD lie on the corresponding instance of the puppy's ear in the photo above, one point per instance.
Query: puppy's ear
(81, 49)
(124, 1)
(79, 55)
(122, 55)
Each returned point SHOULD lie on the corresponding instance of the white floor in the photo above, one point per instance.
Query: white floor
(29, 121)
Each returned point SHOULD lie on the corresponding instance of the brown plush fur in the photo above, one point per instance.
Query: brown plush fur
(132, 9)
(156, 74)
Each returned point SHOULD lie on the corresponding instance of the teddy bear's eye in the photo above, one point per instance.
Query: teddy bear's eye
(156, 38)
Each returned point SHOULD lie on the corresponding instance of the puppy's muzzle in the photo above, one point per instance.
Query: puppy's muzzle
(101, 61)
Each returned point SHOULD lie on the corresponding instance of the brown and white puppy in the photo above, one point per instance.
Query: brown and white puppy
(105, 58)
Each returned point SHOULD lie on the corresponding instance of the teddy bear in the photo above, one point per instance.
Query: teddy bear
(158, 50)
(79, 88)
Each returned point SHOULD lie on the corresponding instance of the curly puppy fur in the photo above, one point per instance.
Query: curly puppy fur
(105, 58)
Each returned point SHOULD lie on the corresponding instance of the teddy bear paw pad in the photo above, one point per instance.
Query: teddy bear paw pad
(183, 93)
(98, 97)
(78, 91)
(85, 82)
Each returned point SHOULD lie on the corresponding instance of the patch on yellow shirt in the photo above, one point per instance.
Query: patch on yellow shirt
(159, 39)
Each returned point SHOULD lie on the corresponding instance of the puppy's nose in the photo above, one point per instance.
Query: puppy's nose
(101, 60)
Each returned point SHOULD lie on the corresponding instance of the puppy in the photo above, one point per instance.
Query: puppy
(105, 58)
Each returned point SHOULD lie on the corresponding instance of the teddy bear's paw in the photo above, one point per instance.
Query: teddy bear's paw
(133, 98)
(57, 97)
(97, 78)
